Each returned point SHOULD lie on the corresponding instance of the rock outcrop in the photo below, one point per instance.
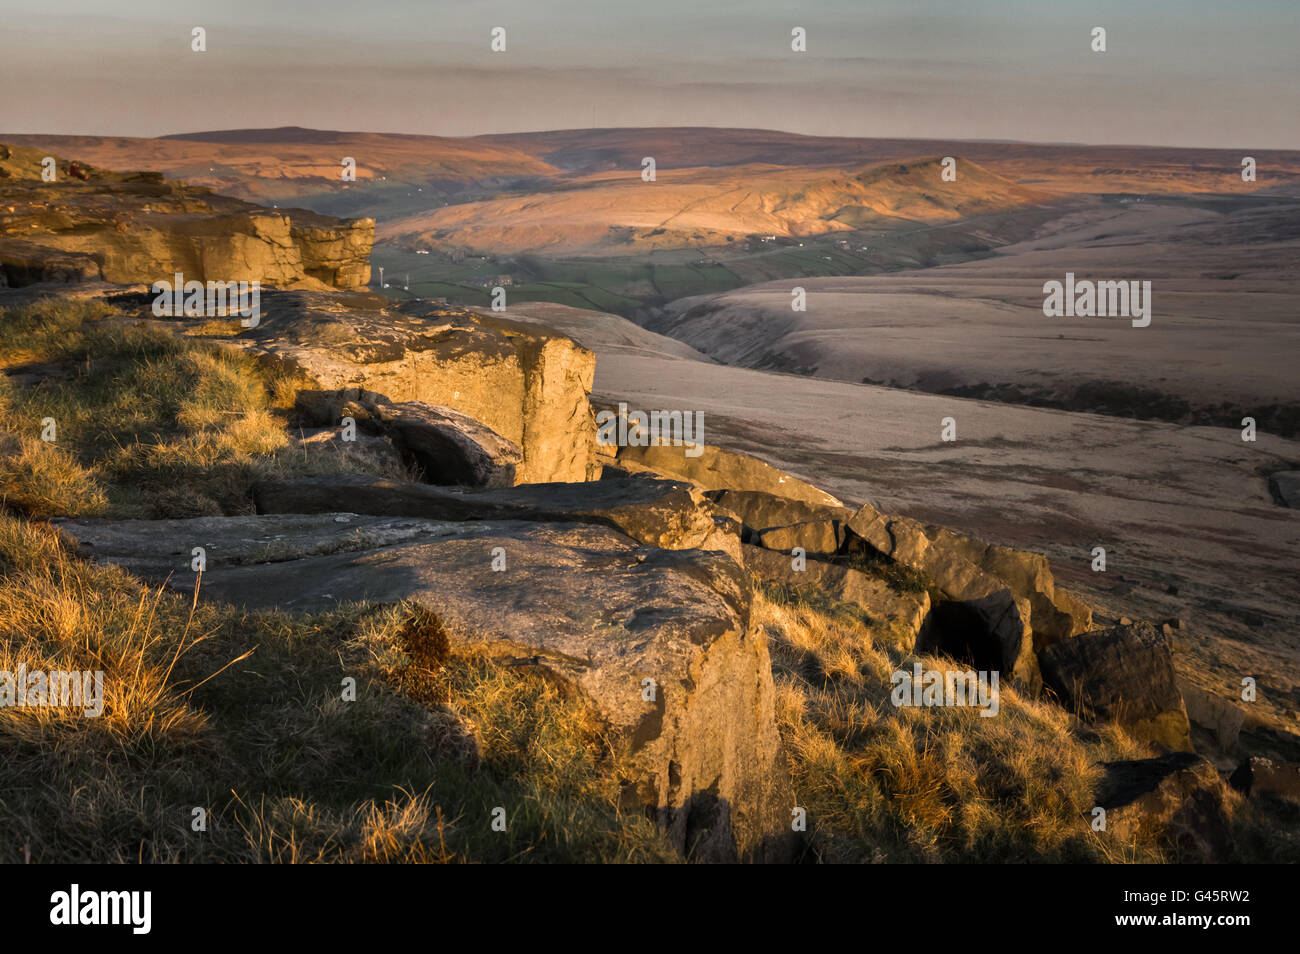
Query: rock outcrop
(443, 445)
(1267, 778)
(1178, 799)
(658, 642)
(718, 469)
(657, 513)
(1210, 711)
(968, 569)
(131, 228)
(759, 511)
(1124, 674)
(902, 612)
(529, 386)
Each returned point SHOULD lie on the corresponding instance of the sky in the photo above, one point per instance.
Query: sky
(1175, 72)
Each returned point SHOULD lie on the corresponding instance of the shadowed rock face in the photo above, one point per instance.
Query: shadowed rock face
(134, 227)
(969, 569)
(445, 446)
(906, 611)
(1124, 674)
(1178, 798)
(584, 604)
(1285, 488)
(526, 384)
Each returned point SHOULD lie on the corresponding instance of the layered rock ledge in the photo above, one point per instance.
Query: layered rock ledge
(658, 642)
(131, 228)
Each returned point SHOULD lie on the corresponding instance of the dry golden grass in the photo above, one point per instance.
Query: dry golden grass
(925, 784)
(42, 480)
(243, 715)
(148, 424)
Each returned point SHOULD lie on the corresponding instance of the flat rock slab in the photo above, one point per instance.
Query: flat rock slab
(717, 469)
(584, 603)
(159, 549)
(657, 513)
(760, 511)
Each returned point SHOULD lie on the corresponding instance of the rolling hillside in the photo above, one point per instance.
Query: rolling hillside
(610, 212)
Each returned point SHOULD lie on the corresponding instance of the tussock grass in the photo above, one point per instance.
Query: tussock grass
(890, 784)
(244, 715)
(43, 480)
(149, 424)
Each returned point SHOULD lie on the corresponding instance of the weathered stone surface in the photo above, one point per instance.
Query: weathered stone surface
(1212, 712)
(760, 511)
(658, 513)
(1285, 487)
(157, 548)
(450, 447)
(26, 263)
(967, 569)
(1261, 777)
(718, 469)
(583, 603)
(819, 538)
(136, 227)
(526, 385)
(446, 446)
(1124, 674)
(1177, 798)
(903, 612)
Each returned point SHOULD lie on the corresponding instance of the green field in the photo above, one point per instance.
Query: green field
(628, 285)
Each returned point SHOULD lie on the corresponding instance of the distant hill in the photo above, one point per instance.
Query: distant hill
(404, 175)
(285, 134)
(1059, 167)
(615, 212)
(290, 164)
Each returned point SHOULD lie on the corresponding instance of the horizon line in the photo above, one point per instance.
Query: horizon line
(181, 136)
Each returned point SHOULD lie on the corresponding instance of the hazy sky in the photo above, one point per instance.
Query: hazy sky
(1177, 72)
